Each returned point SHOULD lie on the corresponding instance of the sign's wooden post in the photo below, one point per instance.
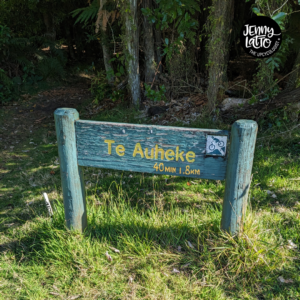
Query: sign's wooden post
(238, 174)
(71, 173)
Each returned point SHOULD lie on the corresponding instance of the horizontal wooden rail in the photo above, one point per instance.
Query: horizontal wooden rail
(149, 149)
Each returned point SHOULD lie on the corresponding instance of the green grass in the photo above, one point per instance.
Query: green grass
(147, 218)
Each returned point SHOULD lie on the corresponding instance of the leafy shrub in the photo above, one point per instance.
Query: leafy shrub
(155, 95)
(276, 119)
(100, 88)
(118, 95)
(22, 61)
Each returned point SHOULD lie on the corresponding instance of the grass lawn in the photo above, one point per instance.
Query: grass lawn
(167, 229)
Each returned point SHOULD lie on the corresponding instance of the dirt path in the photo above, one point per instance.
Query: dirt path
(19, 121)
(28, 151)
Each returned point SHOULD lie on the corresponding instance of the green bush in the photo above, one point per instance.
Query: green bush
(155, 95)
(22, 61)
(100, 88)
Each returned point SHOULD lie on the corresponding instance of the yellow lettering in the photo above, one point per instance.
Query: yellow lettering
(169, 153)
(192, 171)
(168, 169)
(146, 153)
(187, 170)
(190, 155)
(159, 150)
(197, 172)
(173, 170)
(109, 142)
(161, 167)
(179, 155)
(120, 149)
(138, 150)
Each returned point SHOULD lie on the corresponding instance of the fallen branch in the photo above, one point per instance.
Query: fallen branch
(37, 121)
(259, 109)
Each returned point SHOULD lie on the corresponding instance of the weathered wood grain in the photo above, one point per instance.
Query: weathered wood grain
(92, 150)
(177, 151)
(71, 173)
(238, 175)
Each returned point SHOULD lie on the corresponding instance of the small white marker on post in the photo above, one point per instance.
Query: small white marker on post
(48, 204)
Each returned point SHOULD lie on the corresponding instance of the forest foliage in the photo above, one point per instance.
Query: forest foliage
(192, 42)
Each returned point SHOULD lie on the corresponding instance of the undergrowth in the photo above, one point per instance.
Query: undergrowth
(27, 61)
(166, 228)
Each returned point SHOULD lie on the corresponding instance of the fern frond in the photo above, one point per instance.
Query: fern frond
(21, 60)
(86, 13)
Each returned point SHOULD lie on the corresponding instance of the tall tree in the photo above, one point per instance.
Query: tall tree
(157, 41)
(132, 57)
(50, 27)
(96, 9)
(221, 20)
(157, 34)
(103, 17)
(148, 45)
(294, 32)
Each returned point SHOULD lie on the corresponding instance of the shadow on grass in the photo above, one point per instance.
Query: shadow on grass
(50, 243)
(14, 202)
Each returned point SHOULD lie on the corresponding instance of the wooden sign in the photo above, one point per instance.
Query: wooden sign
(152, 149)
(189, 152)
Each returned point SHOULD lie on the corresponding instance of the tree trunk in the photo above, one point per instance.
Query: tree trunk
(157, 44)
(50, 28)
(222, 14)
(226, 54)
(258, 110)
(67, 26)
(148, 45)
(157, 33)
(132, 59)
(108, 66)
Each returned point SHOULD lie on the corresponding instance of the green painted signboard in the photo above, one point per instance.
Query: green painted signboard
(152, 149)
(189, 152)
